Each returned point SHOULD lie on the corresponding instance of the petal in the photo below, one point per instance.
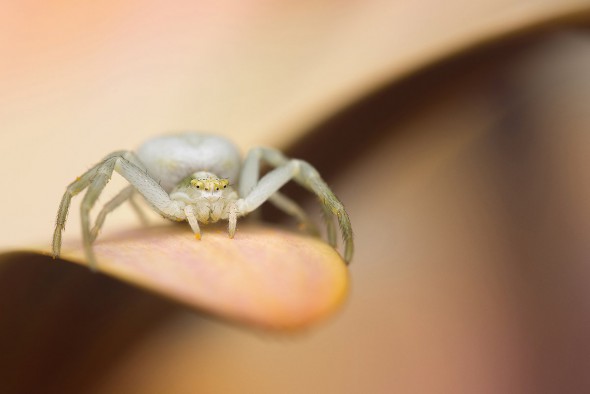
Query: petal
(265, 276)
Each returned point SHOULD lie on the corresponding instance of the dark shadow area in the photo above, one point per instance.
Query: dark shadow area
(63, 326)
(339, 142)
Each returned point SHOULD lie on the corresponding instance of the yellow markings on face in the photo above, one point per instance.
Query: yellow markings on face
(198, 183)
(210, 184)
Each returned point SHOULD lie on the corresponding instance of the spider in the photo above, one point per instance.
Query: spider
(191, 177)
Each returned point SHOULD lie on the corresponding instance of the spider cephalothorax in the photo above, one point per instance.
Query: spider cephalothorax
(211, 197)
(190, 177)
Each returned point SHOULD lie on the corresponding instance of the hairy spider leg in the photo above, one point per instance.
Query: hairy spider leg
(136, 207)
(72, 190)
(275, 158)
(96, 179)
(249, 177)
(127, 194)
(100, 180)
(285, 170)
(290, 207)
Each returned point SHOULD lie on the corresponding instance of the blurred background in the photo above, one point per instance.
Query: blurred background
(457, 137)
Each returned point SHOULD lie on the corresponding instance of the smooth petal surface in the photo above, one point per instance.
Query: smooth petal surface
(264, 277)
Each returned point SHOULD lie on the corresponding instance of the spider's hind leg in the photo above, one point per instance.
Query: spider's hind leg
(290, 207)
(126, 194)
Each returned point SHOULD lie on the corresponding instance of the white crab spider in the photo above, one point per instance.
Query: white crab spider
(190, 177)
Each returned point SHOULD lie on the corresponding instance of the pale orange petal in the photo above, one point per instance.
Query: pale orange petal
(265, 276)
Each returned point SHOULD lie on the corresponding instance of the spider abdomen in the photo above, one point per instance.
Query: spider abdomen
(170, 159)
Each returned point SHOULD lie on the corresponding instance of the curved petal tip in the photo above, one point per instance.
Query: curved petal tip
(265, 276)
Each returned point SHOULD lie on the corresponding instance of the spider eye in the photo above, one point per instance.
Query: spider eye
(224, 186)
(197, 183)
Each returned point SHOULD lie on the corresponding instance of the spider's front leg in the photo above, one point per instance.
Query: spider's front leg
(304, 174)
(95, 180)
(74, 188)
